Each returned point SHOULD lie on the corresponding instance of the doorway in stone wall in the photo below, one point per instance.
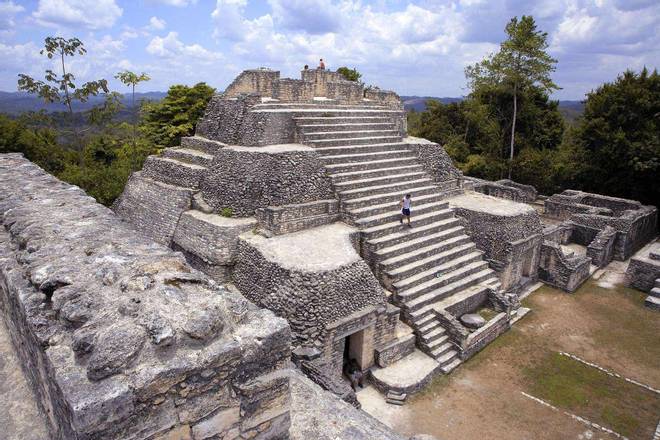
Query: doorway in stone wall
(527, 267)
(354, 360)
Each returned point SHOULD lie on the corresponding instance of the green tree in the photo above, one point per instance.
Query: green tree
(61, 87)
(620, 134)
(521, 62)
(176, 115)
(132, 79)
(350, 74)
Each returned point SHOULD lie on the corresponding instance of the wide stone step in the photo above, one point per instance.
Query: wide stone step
(379, 180)
(396, 227)
(465, 294)
(430, 328)
(407, 234)
(370, 165)
(351, 126)
(188, 155)
(364, 157)
(424, 259)
(326, 112)
(202, 144)
(361, 148)
(378, 199)
(436, 271)
(172, 171)
(447, 359)
(317, 105)
(655, 292)
(437, 334)
(449, 367)
(385, 188)
(339, 177)
(345, 119)
(657, 283)
(394, 139)
(347, 134)
(438, 350)
(431, 297)
(393, 206)
(392, 215)
(409, 251)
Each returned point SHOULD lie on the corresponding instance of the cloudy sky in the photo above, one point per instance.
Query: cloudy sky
(413, 47)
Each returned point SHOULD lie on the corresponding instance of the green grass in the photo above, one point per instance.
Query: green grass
(586, 391)
(487, 313)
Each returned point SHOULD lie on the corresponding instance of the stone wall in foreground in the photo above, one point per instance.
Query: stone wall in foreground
(119, 336)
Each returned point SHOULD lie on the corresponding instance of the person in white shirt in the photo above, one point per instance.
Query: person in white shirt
(406, 203)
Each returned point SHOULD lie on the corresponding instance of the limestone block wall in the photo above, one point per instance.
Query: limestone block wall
(228, 120)
(383, 97)
(560, 271)
(510, 237)
(642, 272)
(310, 299)
(601, 248)
(433, 158)
(259, 81)
(153, 207)
(295, 90)
(118, 336)
(209, 241)
(245, 179)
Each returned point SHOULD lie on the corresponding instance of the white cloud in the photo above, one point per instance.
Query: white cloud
(311, 16)
(228, 16)
(156, 23)
(177, 3)
(171, 47)
(90, 14)
(8, 11)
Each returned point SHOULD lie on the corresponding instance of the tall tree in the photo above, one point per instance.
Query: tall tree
(62, 88)
(620, 134)
(132, 79)
(521, 62)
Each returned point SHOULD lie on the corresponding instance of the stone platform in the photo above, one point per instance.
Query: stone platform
(407, 375)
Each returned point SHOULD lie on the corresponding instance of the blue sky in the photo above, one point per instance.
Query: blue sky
(413, 47)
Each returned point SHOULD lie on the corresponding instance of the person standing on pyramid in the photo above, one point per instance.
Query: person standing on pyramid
(321, 64)
(405, 204)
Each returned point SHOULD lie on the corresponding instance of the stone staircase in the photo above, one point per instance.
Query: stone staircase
(433, 265)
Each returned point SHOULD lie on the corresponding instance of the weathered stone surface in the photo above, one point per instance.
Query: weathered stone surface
(473, 320)
(119, 337)
(317, 414)
(434, 158)
(244, 179)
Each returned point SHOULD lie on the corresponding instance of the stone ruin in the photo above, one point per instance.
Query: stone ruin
(272, 235)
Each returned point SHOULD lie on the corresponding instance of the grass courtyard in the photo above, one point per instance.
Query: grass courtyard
(490, 396)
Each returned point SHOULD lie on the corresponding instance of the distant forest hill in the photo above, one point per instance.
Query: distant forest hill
(571, 110)
(15, 103)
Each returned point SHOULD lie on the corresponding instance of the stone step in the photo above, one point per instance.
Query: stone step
(325, 112)
(379, 172)
(448, 368)
(364, 157)
(447, 357)
(202, 144)
(407, 235)
(447, 185)
(370, 165)
(317, 105)
(392, 215)
(400, 270)
(469, 286)
(384, 188)
(351, 126)
(393, 206)
(172, 171)
(441, 349)
(430, 327)
(657, 283)
(652, 302)
(377, 199)
(464, 295)
(347, 134)
(417, 250)
(655, 292)
(396, 227)
(360, 148)
(452, 193)
(188, 155)
(392, 139)
(379, 180)
(345, 119)
(418, 278)
(436, 334)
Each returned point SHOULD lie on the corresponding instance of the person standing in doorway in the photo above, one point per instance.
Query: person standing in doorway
(406, 203)
(321, 64)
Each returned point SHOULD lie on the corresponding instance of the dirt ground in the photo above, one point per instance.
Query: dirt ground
(603, 323)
